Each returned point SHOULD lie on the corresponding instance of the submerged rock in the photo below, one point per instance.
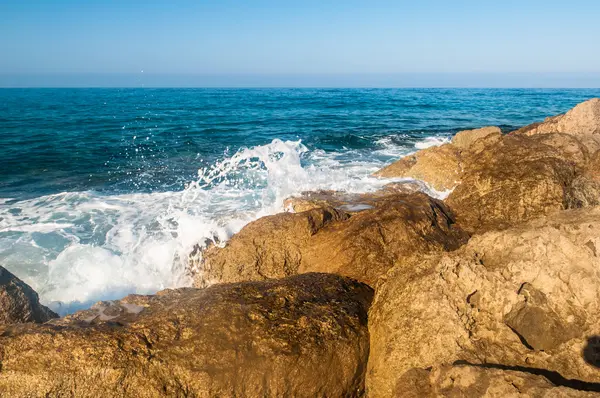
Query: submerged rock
(303, 336)
(363, 245)
(528, 297)
(19, 302)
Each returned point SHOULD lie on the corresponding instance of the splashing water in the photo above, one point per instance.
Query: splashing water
(81, 247)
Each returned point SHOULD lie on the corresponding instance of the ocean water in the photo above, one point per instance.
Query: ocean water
(104, 192)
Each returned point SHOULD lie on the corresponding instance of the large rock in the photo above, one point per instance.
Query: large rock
(583, 121)
(304, 336)
(524, 297)
(441, 167)
(486, 382)
(519, 179)
(19, 302)
(363, 245)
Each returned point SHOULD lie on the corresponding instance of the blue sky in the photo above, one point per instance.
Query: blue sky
(275, 42)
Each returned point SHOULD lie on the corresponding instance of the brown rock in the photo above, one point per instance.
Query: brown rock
(439, 166)
(363, 245)
(519, 179)
(480, 382)
(528, 296)
(270, 247)
(19, 302)
(303, 336)
(351, 202)
(593, 167)
(465, 139)
(583, 121)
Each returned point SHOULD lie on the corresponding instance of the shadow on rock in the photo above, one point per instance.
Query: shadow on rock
(591, 351)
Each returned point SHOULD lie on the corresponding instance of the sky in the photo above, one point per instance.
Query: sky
(303, 43)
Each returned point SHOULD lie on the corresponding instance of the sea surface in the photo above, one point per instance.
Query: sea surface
(104, 192)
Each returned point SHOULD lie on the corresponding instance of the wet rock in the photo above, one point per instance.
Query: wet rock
(303, 336)
(19, 302)
(480, 382)
(363, 245)
(352, 202)
(528, 296)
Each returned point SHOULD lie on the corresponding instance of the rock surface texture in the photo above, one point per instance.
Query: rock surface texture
(19, 303)
(363, 245)
(527, 297)
(304, 336)
(480, 382)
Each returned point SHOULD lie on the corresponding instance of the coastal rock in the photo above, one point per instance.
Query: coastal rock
(465, 139)
(19, 302)
(303, 336)
(526, 297)
(593, 167)
(441, 167)
(363, 245)
(583, 122)
(484, 382)
(438, 166)
(518, 179)
(270, 247)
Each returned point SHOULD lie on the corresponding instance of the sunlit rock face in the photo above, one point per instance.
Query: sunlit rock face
(526, 297)
(362, 245)
(303, 336)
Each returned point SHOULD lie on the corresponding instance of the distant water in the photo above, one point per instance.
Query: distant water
(103, 192)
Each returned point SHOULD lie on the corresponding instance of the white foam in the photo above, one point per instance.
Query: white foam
(82, 247)
(432, 141)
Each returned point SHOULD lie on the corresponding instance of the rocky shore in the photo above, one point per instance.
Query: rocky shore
(492, 292)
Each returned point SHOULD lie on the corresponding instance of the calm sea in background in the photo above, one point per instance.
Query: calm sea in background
(104, 192)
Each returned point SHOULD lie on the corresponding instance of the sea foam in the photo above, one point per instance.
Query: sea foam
(76, 248)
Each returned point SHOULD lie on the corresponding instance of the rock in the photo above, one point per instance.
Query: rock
(528, 296)
(465, 139)
(521, 178)
(363, 245)
(480, 382)
(593, 167)
(19, 302)
(270, 247)
(441, 166)
(352, 202)
(583, 121)
(438, 166)
(303, 336)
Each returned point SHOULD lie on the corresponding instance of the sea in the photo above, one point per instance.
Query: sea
(105, 192)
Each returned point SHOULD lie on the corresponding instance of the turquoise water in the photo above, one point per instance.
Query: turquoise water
(103, 192)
